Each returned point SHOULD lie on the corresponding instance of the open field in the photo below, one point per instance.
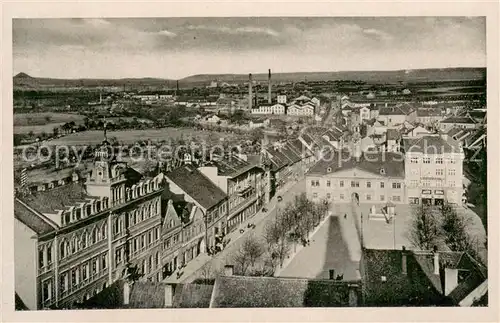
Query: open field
(44, 118)
(43, 121)
(37, 129)
(130, 136)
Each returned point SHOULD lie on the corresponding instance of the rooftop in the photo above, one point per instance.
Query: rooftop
(431, 145)
(197, 185)
(31, 220)
(245, 292)
(373, 162)
(232, 166)
(393, 134)
(467, 120)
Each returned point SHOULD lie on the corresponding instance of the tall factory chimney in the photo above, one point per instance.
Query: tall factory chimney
(269, 88)
(250, 98)
(177, 85)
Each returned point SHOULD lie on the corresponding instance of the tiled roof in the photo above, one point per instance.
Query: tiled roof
(147, 295)
(402, 109)
(429, 112)
(475, 272)
(57, 198)
(467, 120)
(385, 284)
(299, 148)
(192, 296)
(372, 162)
(197, 185)
(232, 166)
(245, 292)
(431, 145)
(31, 220)
(393, 134)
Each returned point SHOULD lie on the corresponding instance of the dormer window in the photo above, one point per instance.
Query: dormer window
(382, 171)
(329, 170)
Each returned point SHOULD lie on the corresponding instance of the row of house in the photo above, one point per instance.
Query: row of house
(391, 166)
(301, 106)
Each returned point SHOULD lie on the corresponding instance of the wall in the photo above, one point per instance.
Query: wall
(25, 265)
(211, 173)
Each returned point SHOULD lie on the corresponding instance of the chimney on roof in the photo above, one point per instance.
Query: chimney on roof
(126, 293)
(436, 260)
(269, 88)
(404, 261)
(169, 295)
(228, 270)
(250, 96)
(450, 280)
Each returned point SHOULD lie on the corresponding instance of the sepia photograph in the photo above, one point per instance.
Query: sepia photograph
(249, 162)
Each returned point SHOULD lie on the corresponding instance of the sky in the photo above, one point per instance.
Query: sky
(178, 47)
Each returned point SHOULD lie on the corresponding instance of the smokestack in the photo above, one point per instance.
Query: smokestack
(250, 98)
(177, 85)
(436, 261)
(269, 88)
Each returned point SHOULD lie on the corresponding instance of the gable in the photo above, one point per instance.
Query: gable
(170, 214)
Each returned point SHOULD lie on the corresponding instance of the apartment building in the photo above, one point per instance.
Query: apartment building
(239, 180)
(395, 115)
(306, 110)
(73, 240)
(464, 122)
(371, 177)
(190, 185)
(433, 169)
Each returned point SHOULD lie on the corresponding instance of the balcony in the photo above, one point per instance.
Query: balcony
(244, 191)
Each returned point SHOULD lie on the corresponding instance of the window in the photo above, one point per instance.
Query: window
(49, 255)
(382, 184)
(341, 196)
(439, 171)
(103, 261)
(85, 272)
(341, 183)
(167, 243)
(41, 263)
(439, 160)
(315, 195)
(451, 172)
(74, 277)
(426, 183)
(354, 184)
(143, 241)
(368, 184)
(67, 217)
(328, 195)
(94, 266)
(47, 290)
(396, 185)
(328, 183)
(313, 183)
(150, 236)
(427, 160)
(382, 197)
(413, 160)
(396, 198)
(413, 183)
(451, 160)
(451, 183)
(368, 197)
(413, 200)
(118, 256)
(62, 249)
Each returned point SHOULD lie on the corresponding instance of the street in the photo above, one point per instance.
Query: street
(260, 220)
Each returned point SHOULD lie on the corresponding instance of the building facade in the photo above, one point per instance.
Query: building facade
(87, 234)
(433, 170)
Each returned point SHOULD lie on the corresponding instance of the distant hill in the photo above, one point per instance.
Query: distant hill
(23, 80)
(418, 75)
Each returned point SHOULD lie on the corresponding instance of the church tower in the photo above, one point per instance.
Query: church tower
(108, 175)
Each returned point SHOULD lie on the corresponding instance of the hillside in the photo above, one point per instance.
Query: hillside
(425, 75)
(24, 81)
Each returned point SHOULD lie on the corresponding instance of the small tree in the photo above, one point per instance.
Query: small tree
(252, 248)
(454, 229)
(423, 232)
(242, 260)
(276, 239)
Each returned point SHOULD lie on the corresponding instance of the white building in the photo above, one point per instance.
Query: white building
(277, 108)
(433, 169)
(282, 99)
